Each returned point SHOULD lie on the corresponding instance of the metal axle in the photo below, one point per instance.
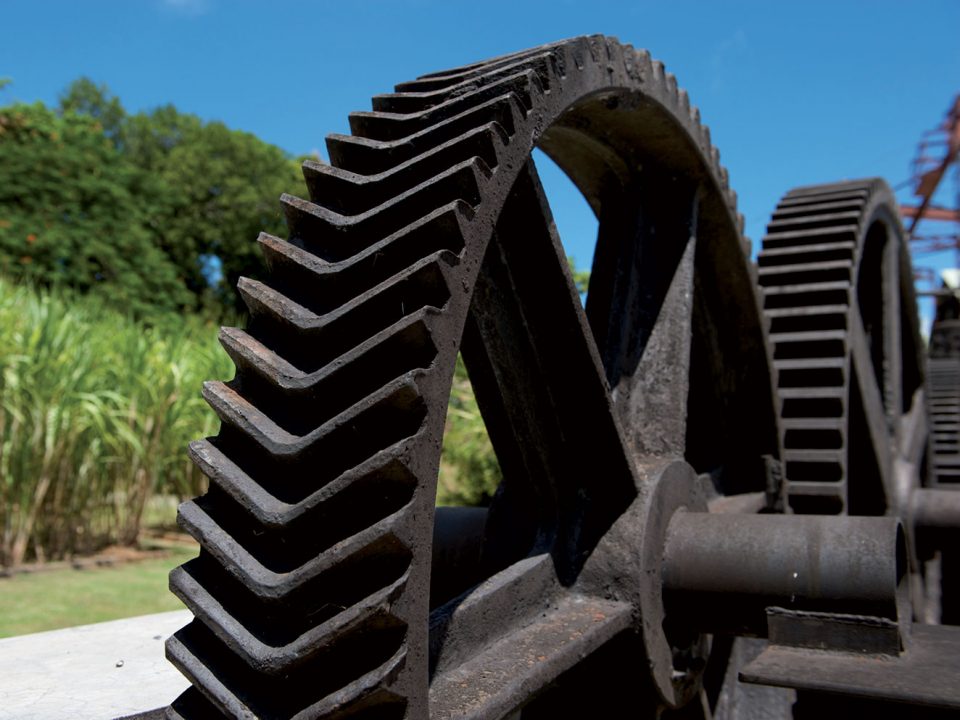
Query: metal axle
(721, 572)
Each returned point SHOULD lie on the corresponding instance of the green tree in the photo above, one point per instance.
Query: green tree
(85, 97)
(469, 471)
(219, 187)
(581, 278)
(190, 198)
(68, 215)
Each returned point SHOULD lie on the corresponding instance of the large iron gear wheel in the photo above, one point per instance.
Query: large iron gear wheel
(429, 234)
(838, 295)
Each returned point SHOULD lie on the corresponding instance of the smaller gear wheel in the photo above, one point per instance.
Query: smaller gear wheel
(838, 296)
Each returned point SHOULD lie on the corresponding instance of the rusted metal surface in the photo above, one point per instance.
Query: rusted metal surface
(838, 293)
(837, 632)
(928, 675)
(931, 213)
(835, 275)
(943, 388)
(723, 571)
(936, 509)
(311, 593)
(938, 149)
(328, 586)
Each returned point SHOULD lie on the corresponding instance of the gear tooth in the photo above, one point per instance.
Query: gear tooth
(704, 138)
(557, 66)
(430, 94)
(423, 285)
(615, 60)
(658, 71)
(612, 45)
(367, 157)
(631, 65)
(234, 409)
(274, 384)
(242, 563)
(273, 649)
(385, 476)
(596, 44)
(192, 649)
(332, 285)
(684, 100)
(192, 703)
(645, 68)
(335, 237)
(349, 194)
(387, 127)
(269, 306)
(576, 51)
(671, 84)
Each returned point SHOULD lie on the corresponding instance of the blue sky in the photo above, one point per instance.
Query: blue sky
(794, 93)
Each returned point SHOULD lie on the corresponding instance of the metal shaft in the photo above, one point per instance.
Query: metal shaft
(933, 508)
(724, 570)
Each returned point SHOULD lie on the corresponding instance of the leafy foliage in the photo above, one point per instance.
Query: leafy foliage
(581, 278)
(95, 413)
(69, 213)
(154, 211)
(469, 472)
(218, 189)
(84, 97)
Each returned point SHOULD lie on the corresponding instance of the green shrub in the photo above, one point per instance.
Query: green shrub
(95, 413)
(469, 472)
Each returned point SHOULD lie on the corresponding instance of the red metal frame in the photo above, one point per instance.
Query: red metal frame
(938, 150)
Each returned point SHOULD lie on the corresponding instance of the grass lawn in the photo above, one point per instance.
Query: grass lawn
(53, 599)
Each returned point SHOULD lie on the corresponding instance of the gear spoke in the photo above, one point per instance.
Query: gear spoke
(870, 400)
(526, 337)
(640, 307)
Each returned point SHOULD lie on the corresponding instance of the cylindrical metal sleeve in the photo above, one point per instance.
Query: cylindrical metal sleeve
(785, 558)
(934, 508)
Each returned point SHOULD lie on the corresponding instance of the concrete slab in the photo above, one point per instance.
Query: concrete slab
(90, 672)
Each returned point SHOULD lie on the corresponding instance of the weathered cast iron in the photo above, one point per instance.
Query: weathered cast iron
(943, 381)
(837, 288)
(837, 291)
(939, 543)
(327, 584)
(838, 295)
